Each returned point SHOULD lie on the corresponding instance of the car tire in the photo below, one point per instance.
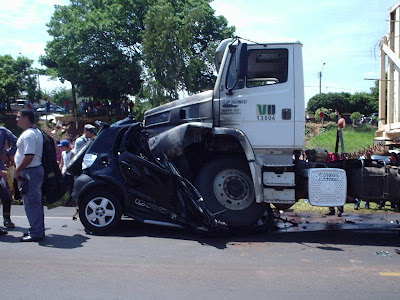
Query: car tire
(100, 211)
(227, 190)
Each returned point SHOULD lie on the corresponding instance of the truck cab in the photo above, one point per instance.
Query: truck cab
(237, 143)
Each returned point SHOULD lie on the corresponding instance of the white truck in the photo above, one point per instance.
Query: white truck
(240, 144)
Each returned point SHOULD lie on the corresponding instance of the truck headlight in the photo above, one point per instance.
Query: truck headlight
(88, 160)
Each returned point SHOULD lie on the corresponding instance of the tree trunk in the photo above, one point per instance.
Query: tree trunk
(75, 111)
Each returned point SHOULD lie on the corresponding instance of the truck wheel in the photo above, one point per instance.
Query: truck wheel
(100, 212)
(227, 189)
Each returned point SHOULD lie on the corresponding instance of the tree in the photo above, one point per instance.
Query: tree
(179, 43)
(109, 49)
(339, 101)
(95, 47)
(59, 95)
(375, 96)
(355, 116)
(363, 103)
(325, 114)
(17, 76)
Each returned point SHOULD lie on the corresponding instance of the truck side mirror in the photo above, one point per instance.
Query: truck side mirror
(242, 61)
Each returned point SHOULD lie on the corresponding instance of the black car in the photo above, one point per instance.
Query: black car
(118, 175)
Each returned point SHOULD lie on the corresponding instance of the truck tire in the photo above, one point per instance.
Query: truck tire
(227, 189)
(100, 211)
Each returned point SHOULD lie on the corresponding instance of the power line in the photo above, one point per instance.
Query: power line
(336, 88)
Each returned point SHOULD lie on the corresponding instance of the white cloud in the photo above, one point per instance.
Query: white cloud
(47, 84)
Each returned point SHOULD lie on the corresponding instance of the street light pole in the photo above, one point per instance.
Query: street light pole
(320, 77)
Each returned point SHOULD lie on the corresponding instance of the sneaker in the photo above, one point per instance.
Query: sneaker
(339, 213)
(330, 213)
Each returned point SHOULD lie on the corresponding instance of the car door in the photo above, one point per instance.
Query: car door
(144, 179)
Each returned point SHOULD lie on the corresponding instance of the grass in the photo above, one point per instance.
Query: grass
(353, 138)
(302, 206)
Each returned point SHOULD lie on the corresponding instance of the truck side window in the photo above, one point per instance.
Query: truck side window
(266, 67)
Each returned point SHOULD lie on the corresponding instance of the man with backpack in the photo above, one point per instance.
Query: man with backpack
(29, 173)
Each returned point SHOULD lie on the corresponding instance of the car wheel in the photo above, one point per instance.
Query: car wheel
(227, 190)
(100, 212)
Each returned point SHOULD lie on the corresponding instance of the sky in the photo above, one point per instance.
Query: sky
(342, 34)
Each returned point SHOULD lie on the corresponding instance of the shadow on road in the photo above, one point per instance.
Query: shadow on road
(64, 242)
(324, 239)
(51, 240)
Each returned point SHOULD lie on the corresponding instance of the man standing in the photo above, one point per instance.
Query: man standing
(8, 146)
(88, 134)
(29, 174)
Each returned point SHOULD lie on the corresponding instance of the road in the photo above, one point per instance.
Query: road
(309, 261)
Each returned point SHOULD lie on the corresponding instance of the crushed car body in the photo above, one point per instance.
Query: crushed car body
(117, 175)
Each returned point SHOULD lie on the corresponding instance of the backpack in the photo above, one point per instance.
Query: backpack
(54, 189)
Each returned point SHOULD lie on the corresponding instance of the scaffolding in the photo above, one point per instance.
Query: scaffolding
(389, 88)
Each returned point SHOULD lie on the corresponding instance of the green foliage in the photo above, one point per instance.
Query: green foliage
(330, 126)
(332, 116)
(301, 206)
(17, 76)
(339, 101)
(363, 103)
(375, 96)
(106, 48)
(324, 110)
(353, 140)
(355, 116)
(179, 43)
(59, 95)
(140, 108)
(153, 92)
(365, 128)
(95, 46)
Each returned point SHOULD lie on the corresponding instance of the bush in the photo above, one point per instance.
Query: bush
(355, 116)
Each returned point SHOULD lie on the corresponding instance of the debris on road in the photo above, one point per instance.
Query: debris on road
(383, 253)
(349, 222)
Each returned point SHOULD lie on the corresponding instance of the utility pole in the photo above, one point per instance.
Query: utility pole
(320, 77)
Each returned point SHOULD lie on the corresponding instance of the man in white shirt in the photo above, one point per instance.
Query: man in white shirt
(88, 134)
(29, 173)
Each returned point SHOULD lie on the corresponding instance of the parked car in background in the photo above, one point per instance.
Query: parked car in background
(372, 119)
(53, 109)
(19, 104)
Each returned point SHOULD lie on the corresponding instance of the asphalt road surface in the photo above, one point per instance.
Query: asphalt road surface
(322, 258)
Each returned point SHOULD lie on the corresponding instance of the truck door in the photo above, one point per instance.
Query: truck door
(262, 103)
